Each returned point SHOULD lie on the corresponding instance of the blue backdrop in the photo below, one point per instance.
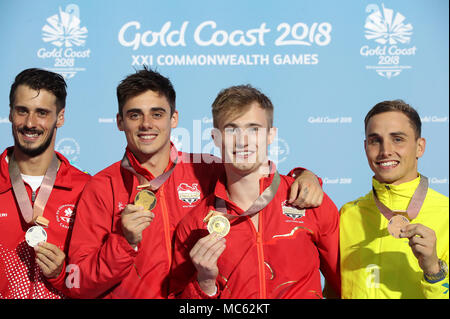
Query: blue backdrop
(324, 64)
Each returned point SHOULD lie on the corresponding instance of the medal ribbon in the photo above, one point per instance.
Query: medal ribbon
(155, 183)
(414, 205)
(262, 201)
(31, 213)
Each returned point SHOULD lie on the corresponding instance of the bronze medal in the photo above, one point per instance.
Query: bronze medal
(395, 224)
(146, 199)
(397, 218)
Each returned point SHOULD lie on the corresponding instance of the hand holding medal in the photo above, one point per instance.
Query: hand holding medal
(207, 250)
(146, 199)
(135, 218)
(422, 241)
(50, 259)
(397, 219)
(217, 223)
(37, 234)
(396, 224)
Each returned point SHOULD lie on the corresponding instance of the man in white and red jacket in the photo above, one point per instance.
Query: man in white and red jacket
(37, 104)
(123, 250)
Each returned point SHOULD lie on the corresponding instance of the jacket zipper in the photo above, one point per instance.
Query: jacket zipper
(376, 294)
(259, 245)
(166, 225)
(262, 277)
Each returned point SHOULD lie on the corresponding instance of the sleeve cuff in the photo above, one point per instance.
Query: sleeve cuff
(59, 280)
(295, 172)
(204, 295)
(432, 281)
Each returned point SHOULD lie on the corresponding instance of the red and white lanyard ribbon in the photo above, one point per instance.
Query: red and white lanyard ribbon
(155, 183)
(260, 203)
(31, 213)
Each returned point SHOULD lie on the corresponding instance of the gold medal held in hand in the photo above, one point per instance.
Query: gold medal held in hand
(146, 199)
(218, 224)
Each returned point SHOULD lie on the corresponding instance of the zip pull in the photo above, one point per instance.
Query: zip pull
(33, 196)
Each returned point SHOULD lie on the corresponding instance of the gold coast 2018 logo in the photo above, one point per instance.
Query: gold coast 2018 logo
(63, 31)
(390, 36)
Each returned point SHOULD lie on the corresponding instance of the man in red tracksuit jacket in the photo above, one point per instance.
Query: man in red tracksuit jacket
(122, 250)
(272, 250)
(37, 103)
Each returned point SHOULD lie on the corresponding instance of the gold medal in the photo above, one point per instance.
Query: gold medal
(219, 224)
(146, 199)
(395, 224)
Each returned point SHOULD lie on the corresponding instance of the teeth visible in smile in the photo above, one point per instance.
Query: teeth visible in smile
(243, 153)
(392, 163)
(147, 137)
(31, 135)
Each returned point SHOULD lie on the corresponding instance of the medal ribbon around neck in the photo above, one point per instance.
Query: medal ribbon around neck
(414, 205)
(262, 201)
(32, 213)
(144, 183)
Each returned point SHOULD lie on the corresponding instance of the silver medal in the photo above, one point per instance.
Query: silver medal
(35, 235)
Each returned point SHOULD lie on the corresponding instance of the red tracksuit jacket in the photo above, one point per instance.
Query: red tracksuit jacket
(281, 260)
(20, 276)
(108, 266)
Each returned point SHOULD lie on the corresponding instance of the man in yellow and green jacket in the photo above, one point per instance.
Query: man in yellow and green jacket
(375, 264)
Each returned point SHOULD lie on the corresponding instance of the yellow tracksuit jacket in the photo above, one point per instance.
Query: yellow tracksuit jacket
(376, 265)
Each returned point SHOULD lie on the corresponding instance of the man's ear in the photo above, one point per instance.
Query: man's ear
(272, 134)
(421, 143)
(60, 118)
(174, 120)
(119, 122)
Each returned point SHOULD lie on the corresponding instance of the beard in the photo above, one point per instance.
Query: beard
(36, 151)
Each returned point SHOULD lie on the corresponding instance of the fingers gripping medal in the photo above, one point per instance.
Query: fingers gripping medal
(395, 224)
(217, 223)
(37, 234)
(397, 218)
(146, 199)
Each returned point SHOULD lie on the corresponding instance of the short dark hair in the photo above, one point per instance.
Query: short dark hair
(235, 100)
(39, 79)
(142, 81)
(397, 106)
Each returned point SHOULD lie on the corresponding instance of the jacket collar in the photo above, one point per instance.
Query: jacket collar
(396, 197)
(221, 191)
(63, 177)
(173, 159)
